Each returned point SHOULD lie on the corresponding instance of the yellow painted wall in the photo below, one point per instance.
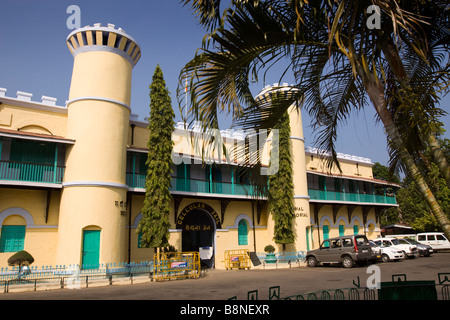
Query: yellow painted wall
(325, 217)
(226, 238)
(41, 236)
(92, 206)
(90, 71)
(93, 138)
(13, 117)
(315, 163)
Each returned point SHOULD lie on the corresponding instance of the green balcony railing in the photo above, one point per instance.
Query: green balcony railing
(350, 197)
(31, 172)
(137, 180)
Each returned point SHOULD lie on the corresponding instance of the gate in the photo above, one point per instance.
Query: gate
(237, 259)
(176, 265)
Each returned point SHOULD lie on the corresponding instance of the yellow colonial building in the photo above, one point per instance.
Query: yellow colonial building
(72, 177)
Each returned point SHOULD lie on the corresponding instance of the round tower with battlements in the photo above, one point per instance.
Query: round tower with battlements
(301, 197)
(93, 202)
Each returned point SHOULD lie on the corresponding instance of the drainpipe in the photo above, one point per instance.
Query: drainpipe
(129, 196)
(47, 208)
(55, 164)
(132, 133)
(253, 218)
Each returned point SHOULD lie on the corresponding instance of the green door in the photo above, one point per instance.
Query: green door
(91, 249)
(326, 233)
(242, 233)
(341, 230)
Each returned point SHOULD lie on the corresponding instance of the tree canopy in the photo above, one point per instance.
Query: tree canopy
(154, 225)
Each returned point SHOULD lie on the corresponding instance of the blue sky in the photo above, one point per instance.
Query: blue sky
(34, 57)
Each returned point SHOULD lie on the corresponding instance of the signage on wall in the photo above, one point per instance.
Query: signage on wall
(197, 227)
(198, 206)
(299, 212)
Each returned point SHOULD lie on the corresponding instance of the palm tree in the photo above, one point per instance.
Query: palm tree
(339, 65)
(416, 83)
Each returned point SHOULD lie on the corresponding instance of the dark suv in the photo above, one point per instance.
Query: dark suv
(346, 250)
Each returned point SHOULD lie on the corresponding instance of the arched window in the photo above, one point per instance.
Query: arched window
(242, 233)
(355, 229)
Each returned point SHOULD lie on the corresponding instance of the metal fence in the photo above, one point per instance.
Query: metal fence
(72, 275)
(397, 289)
(293, 258)
(237, 259)
(34, 172)
(176, 265)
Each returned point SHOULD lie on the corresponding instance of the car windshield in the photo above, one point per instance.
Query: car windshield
(361, 241)
(412, 241)
(403, 241)
(395, 241)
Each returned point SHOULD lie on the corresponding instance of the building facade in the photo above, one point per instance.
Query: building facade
(72, 177)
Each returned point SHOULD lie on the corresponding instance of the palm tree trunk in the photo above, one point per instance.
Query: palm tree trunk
(376, 93)
(391, 53)
(439, 157)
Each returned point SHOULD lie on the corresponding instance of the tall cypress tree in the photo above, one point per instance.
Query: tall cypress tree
(281, 187)
(154, 225)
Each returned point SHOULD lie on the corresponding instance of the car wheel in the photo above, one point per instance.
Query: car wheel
(312, 262)
(385, 258)
(347, 262)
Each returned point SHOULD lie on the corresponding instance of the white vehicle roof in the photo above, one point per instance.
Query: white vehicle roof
(431, 233)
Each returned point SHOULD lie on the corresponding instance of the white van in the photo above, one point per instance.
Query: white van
(436, 240)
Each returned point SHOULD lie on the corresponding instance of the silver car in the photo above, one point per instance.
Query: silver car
(424, 249)
(346, 250)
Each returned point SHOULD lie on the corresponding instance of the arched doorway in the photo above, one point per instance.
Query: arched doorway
(198, 223)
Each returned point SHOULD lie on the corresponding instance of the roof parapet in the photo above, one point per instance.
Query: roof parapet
(104, 38)
(23, 96)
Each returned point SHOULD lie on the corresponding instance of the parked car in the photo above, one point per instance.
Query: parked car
(346, 250)
(424, 249)
(436, 240)
(409, 250)
(376, 251)
(388, 253)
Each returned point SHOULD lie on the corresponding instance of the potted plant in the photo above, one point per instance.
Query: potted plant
(270, 254)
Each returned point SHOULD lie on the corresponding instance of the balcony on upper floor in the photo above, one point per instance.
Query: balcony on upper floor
(333, 196)
(198, 179)
(25, 162)
(31, 172)
(326, 189)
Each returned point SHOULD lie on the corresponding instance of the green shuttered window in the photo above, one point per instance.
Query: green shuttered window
(12, 238)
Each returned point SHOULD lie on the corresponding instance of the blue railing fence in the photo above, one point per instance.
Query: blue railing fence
(31, 172)
(285, 257)
(62, 274)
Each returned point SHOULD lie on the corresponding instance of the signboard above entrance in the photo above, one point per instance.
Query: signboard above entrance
(198, 206)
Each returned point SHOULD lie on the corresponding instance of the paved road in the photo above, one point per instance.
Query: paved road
(223, 284)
